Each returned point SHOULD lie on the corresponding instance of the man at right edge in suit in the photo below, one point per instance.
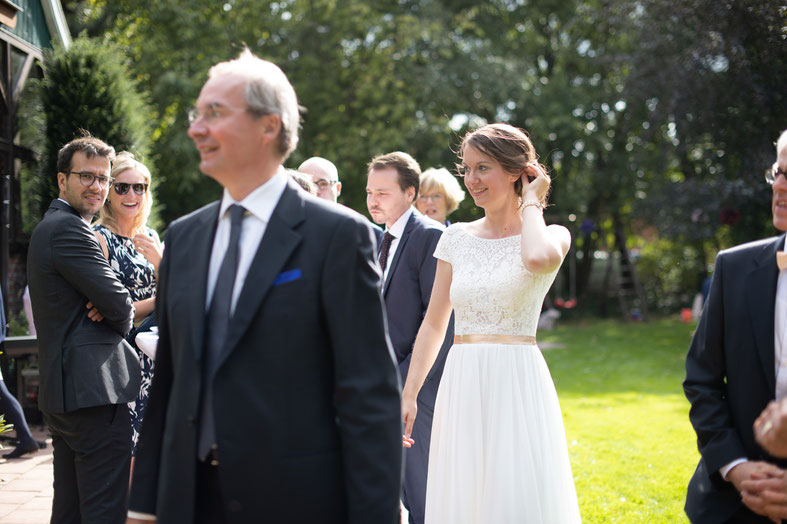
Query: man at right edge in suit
(275, 397)
(406, 255)
(733, 371)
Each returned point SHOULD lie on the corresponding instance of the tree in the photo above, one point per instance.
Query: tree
(373, 77)
(655, 118)
(87, 87)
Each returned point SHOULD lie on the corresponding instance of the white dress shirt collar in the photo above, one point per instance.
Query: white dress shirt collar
(259, 205)
(260, 202)
(72, 207)
(397, 229)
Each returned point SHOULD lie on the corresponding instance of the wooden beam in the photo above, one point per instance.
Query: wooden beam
(21, 79)
(8, 12)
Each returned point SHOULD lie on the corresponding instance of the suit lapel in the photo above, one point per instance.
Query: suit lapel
(761, 299)
(400, 248)
(278, 243)
(59, 205)
(194, 271)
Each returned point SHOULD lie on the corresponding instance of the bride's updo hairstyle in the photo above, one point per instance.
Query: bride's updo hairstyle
(509, 146)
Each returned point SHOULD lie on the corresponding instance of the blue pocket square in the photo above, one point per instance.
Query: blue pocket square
(287, 276)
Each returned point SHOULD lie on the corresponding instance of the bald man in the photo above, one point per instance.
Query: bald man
(325, 176)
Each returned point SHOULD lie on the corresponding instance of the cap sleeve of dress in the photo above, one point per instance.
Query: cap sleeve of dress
(446, 246)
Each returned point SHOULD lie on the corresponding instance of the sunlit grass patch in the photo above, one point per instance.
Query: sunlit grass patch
(632, 447)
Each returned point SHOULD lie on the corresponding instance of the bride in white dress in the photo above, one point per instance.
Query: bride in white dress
(498, 450)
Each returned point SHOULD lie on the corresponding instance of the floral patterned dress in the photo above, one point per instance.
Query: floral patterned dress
(138, 276)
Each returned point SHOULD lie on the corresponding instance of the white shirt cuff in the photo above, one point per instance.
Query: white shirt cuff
(141, 516)
(726, 469)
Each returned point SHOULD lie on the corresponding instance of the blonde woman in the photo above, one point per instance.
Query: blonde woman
(439, 195)
(133, 251)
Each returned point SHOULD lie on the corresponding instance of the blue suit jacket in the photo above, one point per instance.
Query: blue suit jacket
(407, 289)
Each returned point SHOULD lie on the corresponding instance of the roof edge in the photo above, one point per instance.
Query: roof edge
(56, 22)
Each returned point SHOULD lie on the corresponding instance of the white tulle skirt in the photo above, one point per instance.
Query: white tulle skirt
(498, 453)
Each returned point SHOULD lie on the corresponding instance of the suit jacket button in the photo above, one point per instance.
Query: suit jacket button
(191, 420)
(235, 506)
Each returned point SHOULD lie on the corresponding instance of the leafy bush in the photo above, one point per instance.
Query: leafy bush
(3, 426)
(670, 274)
(88, 87)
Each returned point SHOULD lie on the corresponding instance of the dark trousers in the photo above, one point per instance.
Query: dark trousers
(746, 516)
(92, 454)
(416, 464)
(208, 506)
(10, 407)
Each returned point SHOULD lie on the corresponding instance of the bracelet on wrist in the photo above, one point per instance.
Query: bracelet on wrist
(533, 203)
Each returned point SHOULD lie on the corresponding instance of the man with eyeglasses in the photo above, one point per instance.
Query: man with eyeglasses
(275, 396)
(325, 176)
(736, 365)
(88, 371)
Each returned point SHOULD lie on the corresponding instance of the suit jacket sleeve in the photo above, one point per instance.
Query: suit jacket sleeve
(77, 257)
(366, 381)
(705, 386)
(428, 265)
(144, 487)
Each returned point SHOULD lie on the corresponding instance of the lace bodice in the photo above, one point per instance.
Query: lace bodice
(491, 291)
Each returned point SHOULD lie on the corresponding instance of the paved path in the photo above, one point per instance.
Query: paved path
(26, 485)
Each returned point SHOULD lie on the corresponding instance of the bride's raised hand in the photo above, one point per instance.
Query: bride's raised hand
(535, 183)
(409, 410)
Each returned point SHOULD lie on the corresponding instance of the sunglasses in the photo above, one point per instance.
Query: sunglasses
(121, 188)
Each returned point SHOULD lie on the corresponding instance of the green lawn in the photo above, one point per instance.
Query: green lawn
(631, 444)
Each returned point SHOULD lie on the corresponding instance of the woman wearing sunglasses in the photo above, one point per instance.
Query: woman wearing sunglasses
(134, 252)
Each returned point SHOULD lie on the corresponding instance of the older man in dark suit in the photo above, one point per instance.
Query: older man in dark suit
(88, 371)
(734, 369)
(275, 397)
(406, 256)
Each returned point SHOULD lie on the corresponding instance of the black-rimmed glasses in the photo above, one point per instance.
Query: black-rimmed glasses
(773, 173)
(121, 188)
(87, 178)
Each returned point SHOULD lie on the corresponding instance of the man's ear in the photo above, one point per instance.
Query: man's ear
(410, 192)
(61, 182)
(338, 188)
(271, 126)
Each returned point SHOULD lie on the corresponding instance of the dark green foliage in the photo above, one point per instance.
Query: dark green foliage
(655, 118)
(88, 87)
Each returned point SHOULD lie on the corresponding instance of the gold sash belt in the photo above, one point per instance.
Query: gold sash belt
(495, 339)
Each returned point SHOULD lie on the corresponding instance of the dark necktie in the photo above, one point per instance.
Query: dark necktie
(216, 324)
(384, 248)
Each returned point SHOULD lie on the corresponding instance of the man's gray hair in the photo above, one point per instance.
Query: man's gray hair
(268, 92)
(782, 142)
